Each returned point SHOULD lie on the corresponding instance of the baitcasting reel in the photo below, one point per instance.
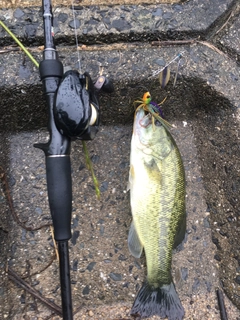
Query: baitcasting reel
(76, 109)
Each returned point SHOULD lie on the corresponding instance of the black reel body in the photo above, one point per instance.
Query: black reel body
(76, 110)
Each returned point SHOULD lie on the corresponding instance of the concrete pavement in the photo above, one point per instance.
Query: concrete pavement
(204, 106)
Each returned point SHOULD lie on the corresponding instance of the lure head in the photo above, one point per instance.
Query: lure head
(146, 98)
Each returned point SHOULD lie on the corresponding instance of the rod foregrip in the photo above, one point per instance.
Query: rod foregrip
(59, 184)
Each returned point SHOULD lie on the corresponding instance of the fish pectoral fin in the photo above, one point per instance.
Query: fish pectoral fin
(131, 177)
(134, 245)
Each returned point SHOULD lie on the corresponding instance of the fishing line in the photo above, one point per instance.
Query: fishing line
(178, 57)
(76, 39)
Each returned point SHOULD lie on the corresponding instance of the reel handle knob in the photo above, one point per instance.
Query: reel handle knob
(104, 84)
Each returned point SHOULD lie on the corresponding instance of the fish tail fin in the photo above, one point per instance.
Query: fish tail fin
(162, 301)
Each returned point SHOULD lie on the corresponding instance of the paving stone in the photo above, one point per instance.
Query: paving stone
(187, 19)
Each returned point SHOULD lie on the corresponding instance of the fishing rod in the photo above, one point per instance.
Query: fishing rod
(73, 113)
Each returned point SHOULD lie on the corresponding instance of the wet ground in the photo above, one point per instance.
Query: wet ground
(102, 270)
(204, 107)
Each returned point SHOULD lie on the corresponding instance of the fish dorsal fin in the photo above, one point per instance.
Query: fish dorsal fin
(134, 245)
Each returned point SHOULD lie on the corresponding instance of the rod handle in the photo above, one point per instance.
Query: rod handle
(59, 185)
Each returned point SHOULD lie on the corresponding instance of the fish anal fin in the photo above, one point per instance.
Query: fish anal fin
(134, 245)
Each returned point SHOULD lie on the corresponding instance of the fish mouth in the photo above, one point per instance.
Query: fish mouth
(146, 119)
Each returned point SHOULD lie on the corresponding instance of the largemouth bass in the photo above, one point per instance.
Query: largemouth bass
(157, 188)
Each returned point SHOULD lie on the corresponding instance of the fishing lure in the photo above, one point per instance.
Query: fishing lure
(164, 73)
(153, 108)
